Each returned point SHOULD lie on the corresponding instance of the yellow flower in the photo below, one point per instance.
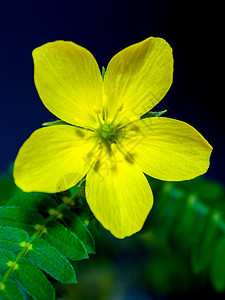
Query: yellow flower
(102, 134)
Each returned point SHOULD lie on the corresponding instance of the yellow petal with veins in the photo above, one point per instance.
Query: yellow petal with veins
(139, 77)
(118, 194)
(169, 149)
(68, 81)
(53, 159)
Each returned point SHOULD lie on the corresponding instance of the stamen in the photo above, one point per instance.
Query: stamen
(100, 122)
(134, 119)
(97, 153)
(120, 107)
(113, 147)
(88, 136)
(96, 110)
(92, 153)
(113, 163)
(131, 133)
(125, 152)
(129, 159)
(130, 151)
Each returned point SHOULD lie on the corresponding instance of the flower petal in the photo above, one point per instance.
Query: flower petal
(68, 81)
(118, 194)
(139, 77)
(168, 149)
(53, 159)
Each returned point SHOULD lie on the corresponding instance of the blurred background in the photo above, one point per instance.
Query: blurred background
(192, 28)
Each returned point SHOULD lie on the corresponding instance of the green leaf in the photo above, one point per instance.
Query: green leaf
(202, 250)
(217, 272)
(11, 291)
(51, 261)
(33, 281)
(103, 72)
(210, 190)
(77, 226)
(7, 189)
(38, 201)
(151, 114)
(186, 222)
(11, 238)
(200, 208)
(35, 201)
(65, 241)
(170, 204)
(5, 257)
(57, 122)
(74, 190)
(20, 218)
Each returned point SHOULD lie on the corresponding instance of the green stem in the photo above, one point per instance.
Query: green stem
(9, 272)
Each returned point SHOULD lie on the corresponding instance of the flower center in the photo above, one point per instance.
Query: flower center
(110, 134)
(107, 131)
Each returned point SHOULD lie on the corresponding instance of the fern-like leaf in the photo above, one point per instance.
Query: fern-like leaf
(35, 236)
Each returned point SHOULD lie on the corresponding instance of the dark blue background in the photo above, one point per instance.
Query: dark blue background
(105, 27)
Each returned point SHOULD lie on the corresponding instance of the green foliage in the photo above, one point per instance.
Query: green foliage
(188, 224)
(65, 241)
(218, 266)
(151, 114)
(10, 238)
(7, 189)
(5, 257)
(49, 259)
(39, 232)
(43, 236)
(33, 280)
(179, 253)
(103, 72)
(19, 217)
(57, 122)
(11, 291)
(73, 221)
